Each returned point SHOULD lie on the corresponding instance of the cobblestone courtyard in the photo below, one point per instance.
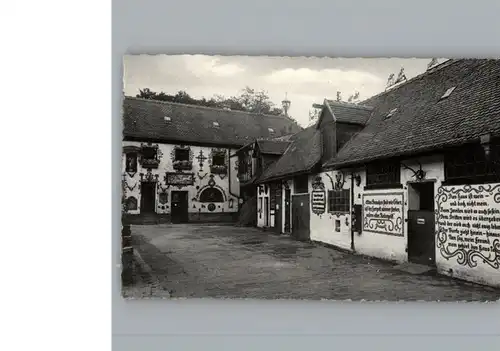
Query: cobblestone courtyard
(230, 262)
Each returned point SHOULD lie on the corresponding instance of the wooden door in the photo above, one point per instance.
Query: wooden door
(301, 215)
(278, 222)
(287, 210)
(421, 237)
(180, 204)
(148, 197)
(266, 212)
(421, 220)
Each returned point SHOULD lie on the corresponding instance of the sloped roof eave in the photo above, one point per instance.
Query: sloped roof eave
(406, 153)
(286, 175)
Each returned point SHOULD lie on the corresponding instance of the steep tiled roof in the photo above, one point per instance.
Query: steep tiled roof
(302, 154)
(423, 120)
(166, 121)
(272, 147)
(284, 137)
(349, 113)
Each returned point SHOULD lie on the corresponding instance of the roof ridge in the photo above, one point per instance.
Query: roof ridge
(430, 71)
(350, 105)
(209, 108)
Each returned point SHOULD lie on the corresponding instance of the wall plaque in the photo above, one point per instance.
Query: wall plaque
(172, 178)
(318, 203)
(383, 213)
(468, 224)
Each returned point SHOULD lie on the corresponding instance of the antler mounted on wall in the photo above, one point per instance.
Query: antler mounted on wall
(339, 180)
(418, 174)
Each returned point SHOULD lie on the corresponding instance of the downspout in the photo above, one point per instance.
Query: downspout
(352, 212)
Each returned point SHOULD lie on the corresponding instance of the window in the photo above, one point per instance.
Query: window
(391, 113)
(270, 130)
(167, 119)
(447, 93)
(131, 163)
(337, 225)
(272, 196)
(258, 165)
(183, 158)
(339, 200)
(301, 184)
(384, 174)
(218, 165)
(211, 195)
(149, 153)
(181, 154)
(149, 156)
(244, 167)
(215, 124)
(218, 159)
(469, 165)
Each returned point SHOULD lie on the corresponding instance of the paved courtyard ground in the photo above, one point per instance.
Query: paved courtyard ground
(214, 261)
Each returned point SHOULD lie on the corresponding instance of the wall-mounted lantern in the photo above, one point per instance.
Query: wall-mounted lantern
(485, 142)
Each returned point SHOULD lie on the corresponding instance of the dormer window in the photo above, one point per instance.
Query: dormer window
(447, 93)
(215, 124)
(150, 155)
(167, 119)
(391, 113)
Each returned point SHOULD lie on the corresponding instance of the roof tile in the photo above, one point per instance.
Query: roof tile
(302, 154)
(423, 120)
(350, 113)
(145, 119)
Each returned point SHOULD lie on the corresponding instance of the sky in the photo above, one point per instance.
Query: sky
(303, 80)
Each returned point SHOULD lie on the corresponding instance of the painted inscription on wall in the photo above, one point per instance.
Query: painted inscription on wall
(468, 224)
(383, 213)
(318, 203)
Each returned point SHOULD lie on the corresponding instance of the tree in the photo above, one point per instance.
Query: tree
(249, 100)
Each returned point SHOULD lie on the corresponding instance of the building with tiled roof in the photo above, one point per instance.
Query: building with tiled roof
(161, 121)
(411, 175)
(176, 164)
(429, 120)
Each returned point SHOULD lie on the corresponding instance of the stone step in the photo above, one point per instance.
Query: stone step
(148, 219)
